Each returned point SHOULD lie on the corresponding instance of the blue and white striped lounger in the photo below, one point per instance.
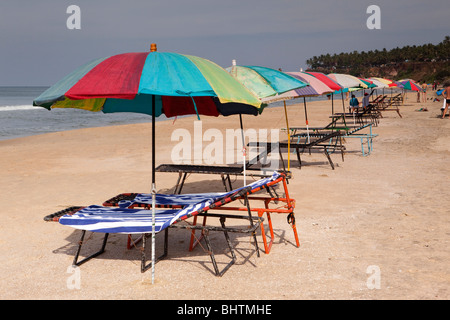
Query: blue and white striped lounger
(128, 221)
(192, 198)
(139, 221)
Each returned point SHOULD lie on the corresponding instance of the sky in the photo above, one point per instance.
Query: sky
(38, 49)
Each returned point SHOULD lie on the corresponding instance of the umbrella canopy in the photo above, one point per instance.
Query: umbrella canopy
(265, 83)
(348, 81)
(127, 82)
(387, 82)
(410, 85)
(368, 82)
(315, 86)
(332, 84)
(378, 83)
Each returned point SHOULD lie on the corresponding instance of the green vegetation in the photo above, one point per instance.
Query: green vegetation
(426, 62)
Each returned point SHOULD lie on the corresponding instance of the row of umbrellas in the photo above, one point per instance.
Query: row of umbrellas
(173, 84)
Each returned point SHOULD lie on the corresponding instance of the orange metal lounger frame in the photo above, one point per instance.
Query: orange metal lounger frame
(287, 208)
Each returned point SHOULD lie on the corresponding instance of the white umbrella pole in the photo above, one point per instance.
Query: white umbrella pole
(289, 136)
(153, 192)
(306, 117)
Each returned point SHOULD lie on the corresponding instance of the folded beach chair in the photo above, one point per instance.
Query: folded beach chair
(144, 200)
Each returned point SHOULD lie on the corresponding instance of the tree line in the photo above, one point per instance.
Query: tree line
(358, 61)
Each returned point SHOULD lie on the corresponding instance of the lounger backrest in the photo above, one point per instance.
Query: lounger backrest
(190, 199)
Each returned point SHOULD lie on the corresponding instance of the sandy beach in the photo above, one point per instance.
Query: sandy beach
(387, 212)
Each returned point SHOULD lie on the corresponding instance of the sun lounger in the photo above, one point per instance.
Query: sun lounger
(327, 143)
(369, 114)
(224, 171)
(347, 132)
(139, 221)
(143, 200)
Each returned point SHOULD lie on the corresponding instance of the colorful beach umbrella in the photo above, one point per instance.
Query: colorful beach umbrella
(348, 81)
(269, 85)
(410, 85)
(368, 82)
(387, 82)
(152, 83)
(378, 83)
(333, 84)
(315, 88)
(265, 83)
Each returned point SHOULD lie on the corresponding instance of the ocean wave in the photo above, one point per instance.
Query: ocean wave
(19, 108)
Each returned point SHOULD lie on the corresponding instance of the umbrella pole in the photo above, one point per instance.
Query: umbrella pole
(332, 104)
(153, 191)
(343, 107)
(243, 148)
(306, 117)
(289, 136)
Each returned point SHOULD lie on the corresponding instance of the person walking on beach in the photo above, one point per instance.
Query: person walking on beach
(446, 95)
(365, 102)
(424, 93)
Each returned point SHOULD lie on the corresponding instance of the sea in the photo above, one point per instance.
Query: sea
(19, 118)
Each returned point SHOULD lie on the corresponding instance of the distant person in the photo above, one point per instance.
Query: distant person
(446, 95)
(365, 102)
(354, 104)
(424, 93)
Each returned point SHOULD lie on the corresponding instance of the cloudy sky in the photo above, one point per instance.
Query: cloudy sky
(37, 48)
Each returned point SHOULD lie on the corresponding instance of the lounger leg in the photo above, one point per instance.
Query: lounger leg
(251, 223)
(181, 184)
(267, 246)
(291, 216)
(342, 147)
(298, 157)
(178, 183)
(194, 242)
(145, 267)
(80, 243)
(329, 158)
